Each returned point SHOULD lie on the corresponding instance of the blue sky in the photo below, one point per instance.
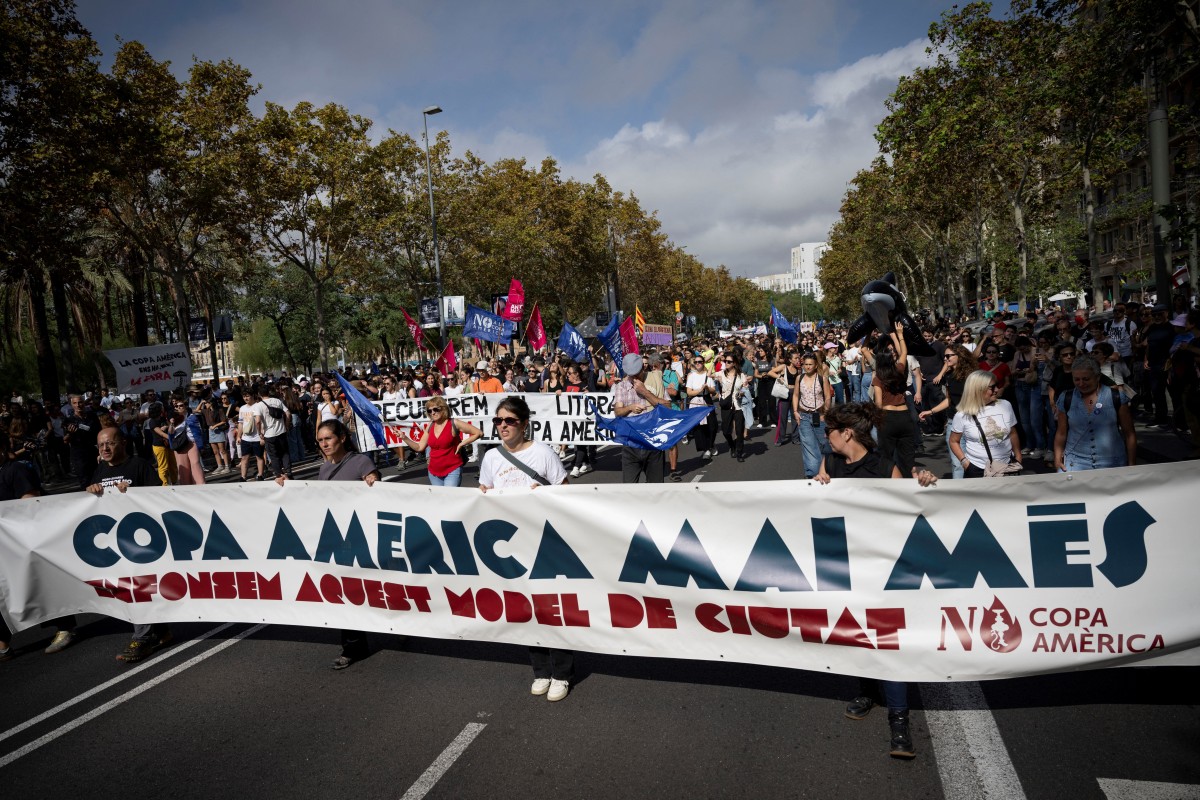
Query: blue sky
(739, 122)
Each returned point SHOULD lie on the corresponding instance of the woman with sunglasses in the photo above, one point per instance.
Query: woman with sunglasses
(188, 466)
(984, 429)
(993, 362)
(521, 463)
(958, 363)
(730, 383)
(699, 387)
(444, 438)
(811, 398)
(855, 456)
(1095, 426)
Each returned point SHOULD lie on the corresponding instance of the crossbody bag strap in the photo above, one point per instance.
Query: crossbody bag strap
(983, 438)
(521, 465)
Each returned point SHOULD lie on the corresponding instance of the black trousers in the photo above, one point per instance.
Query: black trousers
(550, 663)
(281, 458)
(733, 428)
(354, 644)
(635, 461)
(896, 440)
(705, 434)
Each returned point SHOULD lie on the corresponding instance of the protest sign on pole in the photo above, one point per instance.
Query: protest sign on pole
(430, 312)
(657, 334)
(161, 367)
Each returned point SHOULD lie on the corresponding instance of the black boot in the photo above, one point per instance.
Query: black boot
(859, 707)
(902, 744)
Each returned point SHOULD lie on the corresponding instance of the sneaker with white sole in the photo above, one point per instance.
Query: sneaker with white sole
(575, 472)
(61, 641)
(585, 469)
(1035, 453)
(557, 691)
(540, 686)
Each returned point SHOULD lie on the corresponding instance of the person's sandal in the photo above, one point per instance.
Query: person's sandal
(341, 662)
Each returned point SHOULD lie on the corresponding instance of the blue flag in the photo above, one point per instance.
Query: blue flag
(363, 408)
(660, 428)
(489, 327)
(610, 337)
(783, 328)
(571, 343)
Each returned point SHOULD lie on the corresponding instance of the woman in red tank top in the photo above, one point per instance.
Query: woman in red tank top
(444, 438)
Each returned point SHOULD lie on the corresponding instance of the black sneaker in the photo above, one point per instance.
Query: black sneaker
(902, 744)
(859, 707)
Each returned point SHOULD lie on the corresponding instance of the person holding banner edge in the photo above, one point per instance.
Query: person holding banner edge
(343, 464)
(855, 455)
(521, 463)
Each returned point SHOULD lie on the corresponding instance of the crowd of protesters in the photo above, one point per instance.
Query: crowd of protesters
(1058, 387)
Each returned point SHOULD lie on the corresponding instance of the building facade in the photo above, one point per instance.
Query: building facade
(802, 274)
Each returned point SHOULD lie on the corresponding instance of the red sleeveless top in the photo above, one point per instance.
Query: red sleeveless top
(442, 458)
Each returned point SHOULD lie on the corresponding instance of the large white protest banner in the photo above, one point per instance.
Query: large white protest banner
(162, 367)
(961, 581)
(565, 418)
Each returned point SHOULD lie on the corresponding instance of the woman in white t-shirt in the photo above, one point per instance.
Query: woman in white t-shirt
(328, 408)
(553, 670)
(982, 413)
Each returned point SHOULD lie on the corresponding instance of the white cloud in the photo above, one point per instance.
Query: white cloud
(743, 189)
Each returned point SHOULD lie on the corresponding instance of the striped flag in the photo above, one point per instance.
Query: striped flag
(639, 321)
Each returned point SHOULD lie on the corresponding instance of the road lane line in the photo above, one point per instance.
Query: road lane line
(697, 478)
(132, 693)
(123, 676)
(1118, 789)
(971, 757)
(443, 762)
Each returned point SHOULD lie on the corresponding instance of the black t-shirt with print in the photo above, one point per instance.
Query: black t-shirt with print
(135, 470)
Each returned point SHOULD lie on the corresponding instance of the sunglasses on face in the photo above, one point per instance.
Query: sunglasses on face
(498, 421)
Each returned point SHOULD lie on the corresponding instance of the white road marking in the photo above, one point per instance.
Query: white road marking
(1117, 789)
(443, 762)
(971, 757)
(697, 478)
(122, 677)
(132, 693)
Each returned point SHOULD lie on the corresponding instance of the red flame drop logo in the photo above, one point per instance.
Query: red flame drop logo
(1000, 630)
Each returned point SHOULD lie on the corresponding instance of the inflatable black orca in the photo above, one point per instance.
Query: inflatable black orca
(883, 306)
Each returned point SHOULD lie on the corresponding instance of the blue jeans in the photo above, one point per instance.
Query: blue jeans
(956, 467)
(839, 393)
(864, 391)
(812, 440)
(1051, 415)
(1029, 409)
(453, 479)
(296, 444)
(786, 420)
(853, 387)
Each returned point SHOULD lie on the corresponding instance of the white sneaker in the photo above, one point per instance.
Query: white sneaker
(558, 690)
(472, 460)
(1026, 451)
(1035, 453)
(540, 686)
(575, 472)
(585, 468)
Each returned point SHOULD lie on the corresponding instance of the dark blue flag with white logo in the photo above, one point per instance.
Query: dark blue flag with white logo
(489, 327)
(363, 408)
(610, 337)
(784, 329)
(572, 343)
(660, 428)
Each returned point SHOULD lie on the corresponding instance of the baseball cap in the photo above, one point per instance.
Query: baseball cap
(829, 345)
(1000, 326)
(482, 365)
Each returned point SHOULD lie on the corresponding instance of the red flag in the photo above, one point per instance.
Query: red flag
(535, 334)
(447, 362)
(515, 307)
(629, 336)
(415, 329)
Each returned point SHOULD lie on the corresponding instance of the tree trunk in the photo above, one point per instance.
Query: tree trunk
(137, 300)
(1194, 239)
(182, 317)
(319, 305)
(62, 324)
(47, 366)
(1093, 252)
(995, 284)
(1022, 254)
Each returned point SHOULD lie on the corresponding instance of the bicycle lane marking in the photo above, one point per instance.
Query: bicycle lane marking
(972, 761)
(132, 693)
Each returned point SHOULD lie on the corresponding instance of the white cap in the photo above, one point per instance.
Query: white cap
(482, 365)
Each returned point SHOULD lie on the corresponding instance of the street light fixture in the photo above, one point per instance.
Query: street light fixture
(437, 264)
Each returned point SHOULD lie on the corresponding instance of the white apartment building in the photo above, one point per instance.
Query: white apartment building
(801, 276)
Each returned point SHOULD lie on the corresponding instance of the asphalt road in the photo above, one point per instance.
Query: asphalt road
(255, 711)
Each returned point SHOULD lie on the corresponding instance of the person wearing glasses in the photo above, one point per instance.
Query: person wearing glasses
(699, 387)
(854, 455)
(521, 463)
(811, 398)
(1095, 425)
(444, 438)
(730, 383)
(984, 430)
(188, 466)
(993, 361)
(958, 363)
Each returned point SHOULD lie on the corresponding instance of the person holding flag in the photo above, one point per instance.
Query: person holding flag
(631, 397)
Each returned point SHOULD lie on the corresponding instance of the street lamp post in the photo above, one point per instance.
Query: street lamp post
(437, 264)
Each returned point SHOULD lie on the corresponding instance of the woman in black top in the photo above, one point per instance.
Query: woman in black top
(854, 456)
(957, 363)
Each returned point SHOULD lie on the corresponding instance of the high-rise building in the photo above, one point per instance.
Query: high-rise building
(802, 274)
